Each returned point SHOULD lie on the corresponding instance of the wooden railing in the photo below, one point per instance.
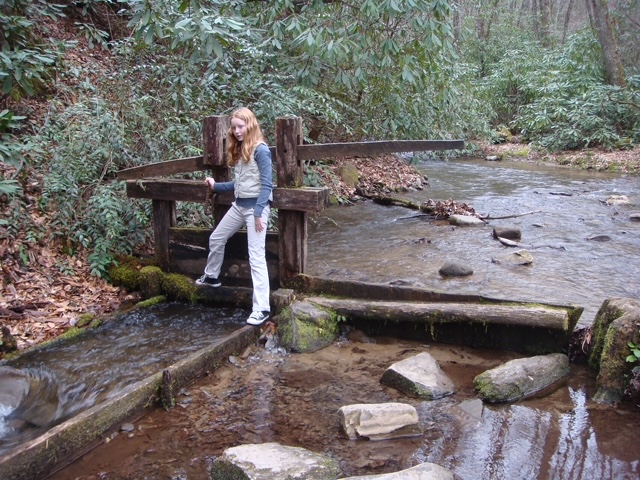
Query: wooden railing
(185, 250)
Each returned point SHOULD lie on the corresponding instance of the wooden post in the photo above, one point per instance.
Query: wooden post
(164, 217)
(214, 138)
(292, 225)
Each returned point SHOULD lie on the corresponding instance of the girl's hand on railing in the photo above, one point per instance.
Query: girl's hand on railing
(210, 182)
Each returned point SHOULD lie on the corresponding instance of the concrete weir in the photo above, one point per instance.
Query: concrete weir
(462, 319)
(67, 441)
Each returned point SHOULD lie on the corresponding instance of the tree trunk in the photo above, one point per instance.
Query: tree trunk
(614, 73)
(536, 18)
(567, 17)
(545, 35)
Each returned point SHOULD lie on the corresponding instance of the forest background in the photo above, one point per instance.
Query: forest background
(96, 86)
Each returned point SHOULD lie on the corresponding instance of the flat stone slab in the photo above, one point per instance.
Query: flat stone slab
(424, 471)
(419, 376)
(273, 461)
(521, 377)
(379, 421)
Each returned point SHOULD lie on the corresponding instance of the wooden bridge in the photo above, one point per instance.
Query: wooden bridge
(184, 250)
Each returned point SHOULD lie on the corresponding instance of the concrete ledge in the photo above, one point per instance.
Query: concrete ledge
(71, 439)
(429, 315)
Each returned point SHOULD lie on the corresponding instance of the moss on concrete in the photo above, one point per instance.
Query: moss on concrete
(85, 319)
(150, 302)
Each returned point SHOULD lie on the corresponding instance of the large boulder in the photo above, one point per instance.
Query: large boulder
(419, 376)
(305, 327)
(272, 461)
(616, 324)
(521, 377)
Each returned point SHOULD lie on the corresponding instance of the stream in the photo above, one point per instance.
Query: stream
(584, 250)
(266, 395)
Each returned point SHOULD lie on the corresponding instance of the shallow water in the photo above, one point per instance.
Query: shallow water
(381, 244)
(293, 400)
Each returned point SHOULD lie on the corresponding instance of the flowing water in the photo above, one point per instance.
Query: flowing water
(584, 250)
(270, 396)
(100, 363)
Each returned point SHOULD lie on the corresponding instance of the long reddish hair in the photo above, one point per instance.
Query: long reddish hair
(253, 136)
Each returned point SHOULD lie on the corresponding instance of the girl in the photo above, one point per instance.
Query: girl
(250, 158)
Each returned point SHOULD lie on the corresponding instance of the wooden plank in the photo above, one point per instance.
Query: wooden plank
(310, 152)
(189, 248)
(171, 167)
(306, 199)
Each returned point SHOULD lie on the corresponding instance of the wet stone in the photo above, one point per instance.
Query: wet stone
(424, 471)
(272, 461)
(617, 200)
(511, 233)
(465, 220)
(521, 377)
(419, 376)
(127, 427)
(451, 269)
(380, 421)
(520, 257)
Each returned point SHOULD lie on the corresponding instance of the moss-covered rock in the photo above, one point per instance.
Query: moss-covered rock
(304, 327)
(125, 272)
(180, 287)
(151, 281)
(521, 377)
(617, 323)
(349, 174)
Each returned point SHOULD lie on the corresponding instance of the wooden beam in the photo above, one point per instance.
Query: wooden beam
(164, 217)
(290, 169)
(292, 225)
(304, 152)
(171, 167)
(214, 139)
(304, 199)
(310, 152)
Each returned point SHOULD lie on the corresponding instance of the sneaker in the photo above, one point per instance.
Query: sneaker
(208, 281)
(258, 318)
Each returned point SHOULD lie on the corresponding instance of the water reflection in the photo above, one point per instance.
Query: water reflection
(539, 439)
(369, 242)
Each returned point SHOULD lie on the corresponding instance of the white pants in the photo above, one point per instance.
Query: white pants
(233, 220)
